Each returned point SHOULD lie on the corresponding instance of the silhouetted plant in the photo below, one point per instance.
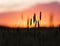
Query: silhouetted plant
(35, 23)
(38, 23)
(51, 20)
(27, 22)
(34, 20)
(40, 15)
(31, 22)
(34, 17)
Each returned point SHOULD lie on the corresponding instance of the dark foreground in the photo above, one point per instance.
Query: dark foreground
(29, 37)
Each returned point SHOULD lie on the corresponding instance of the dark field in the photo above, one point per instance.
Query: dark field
(29, 37)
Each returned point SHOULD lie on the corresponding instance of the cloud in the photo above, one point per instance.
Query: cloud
(8, 5)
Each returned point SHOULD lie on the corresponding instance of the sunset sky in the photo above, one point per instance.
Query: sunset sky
(11, 12)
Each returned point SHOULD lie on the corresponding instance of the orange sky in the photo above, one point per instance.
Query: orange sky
(13, 18)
